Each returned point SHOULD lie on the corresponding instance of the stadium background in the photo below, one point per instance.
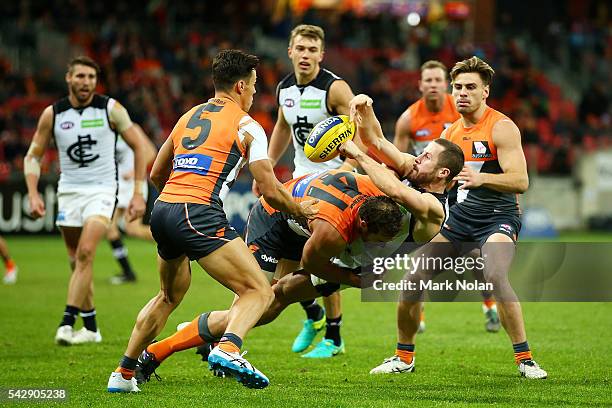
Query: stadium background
(552, 60)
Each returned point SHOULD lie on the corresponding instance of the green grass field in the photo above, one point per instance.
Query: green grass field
(457, 361)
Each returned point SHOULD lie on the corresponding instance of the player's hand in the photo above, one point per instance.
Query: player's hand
(136, 208)
(37, 206)
(468, 178)
(350, 149)
(309, 208)
(255, 189)
(358, 106)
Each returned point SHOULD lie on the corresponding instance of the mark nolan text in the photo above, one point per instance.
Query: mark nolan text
(434, 286)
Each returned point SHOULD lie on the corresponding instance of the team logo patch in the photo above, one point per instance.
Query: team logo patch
(79, 152)
(192, 163)
(289, 103)
(481, 150)
(67, 125)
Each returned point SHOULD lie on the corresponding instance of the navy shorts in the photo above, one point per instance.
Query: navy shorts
(195, 230)
(464, 227)
(269, 238)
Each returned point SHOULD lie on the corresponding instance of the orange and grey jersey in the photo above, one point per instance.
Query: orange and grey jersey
(85, 142)
(303, 107)
(480, 154)
(209, 152)
(426, 126)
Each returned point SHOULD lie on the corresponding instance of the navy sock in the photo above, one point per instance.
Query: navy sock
(120, 253)
(332, 330)
(313, 310)
(405, 347)
(70, 314)
(520, 347)
(128, 363)
(89, 319)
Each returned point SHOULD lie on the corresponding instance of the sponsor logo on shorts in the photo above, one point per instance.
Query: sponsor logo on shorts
(481, 150)
(289, 103)
(67, 125)
(269, 259)
(192, 163)
(61, 216)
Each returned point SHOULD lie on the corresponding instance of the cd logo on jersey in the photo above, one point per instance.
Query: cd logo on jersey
(301, 129)
(480, 150)
(67, 125)
(289, 103)
(79, 152)
(192, 163)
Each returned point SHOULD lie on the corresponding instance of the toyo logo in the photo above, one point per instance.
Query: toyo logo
(192, 163)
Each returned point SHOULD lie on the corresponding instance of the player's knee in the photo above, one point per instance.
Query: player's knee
(85, 254)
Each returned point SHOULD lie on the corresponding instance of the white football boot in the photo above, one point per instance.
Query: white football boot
(393, 365)
(116, 383)
(63, 337)
(86, 336)
(238, 367)
(530, 369)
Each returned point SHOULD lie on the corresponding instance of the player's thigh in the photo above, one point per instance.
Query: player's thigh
(234, 267)
(71, 236)
(175, 277)
(94, 230)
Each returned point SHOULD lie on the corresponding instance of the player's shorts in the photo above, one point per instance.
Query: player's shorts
(126, 190)
(463, 227)
(269, 238)
(75, 207)
(195, 230)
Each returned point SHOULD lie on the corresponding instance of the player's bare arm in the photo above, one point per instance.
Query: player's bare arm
(31, 162)
(120, 120)
(514, 178)
(324, 244)
(276, 195)
(340, 95)
(371, 135)
(402, 139)
(162, 166)
(280, 138)
(423, 206)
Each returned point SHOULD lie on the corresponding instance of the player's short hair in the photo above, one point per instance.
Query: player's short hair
(474, 64)
(83, 60)
(230, 66)
(431, 64)
(451, 158)
(382, 215)
(307, 30)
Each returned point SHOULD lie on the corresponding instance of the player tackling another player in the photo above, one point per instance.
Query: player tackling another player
(194, 170)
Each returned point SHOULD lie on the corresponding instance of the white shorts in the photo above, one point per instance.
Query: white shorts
(74, 208)
(126, 190)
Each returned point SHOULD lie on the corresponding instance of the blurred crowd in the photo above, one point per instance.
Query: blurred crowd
(156, 61)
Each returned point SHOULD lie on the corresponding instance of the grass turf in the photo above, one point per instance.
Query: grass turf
(457, 361)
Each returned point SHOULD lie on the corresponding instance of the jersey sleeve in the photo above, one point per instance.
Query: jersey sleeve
(258, 149)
